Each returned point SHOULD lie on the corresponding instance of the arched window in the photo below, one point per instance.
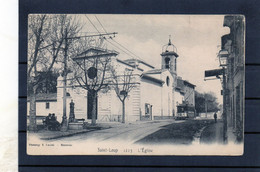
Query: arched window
(167, 62)
(167, 81)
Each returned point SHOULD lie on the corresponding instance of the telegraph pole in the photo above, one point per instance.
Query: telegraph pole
(224, 107)
(64, 124)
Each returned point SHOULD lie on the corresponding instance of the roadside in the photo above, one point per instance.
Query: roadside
(177, 133)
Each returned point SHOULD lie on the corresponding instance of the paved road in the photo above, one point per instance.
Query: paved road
(212, 134)
(129, 133)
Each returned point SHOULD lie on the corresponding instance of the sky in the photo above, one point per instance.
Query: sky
(196, 37)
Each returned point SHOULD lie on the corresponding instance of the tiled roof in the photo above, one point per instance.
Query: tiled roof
(45, 97)
(139, 61)
(155, 71)
(148, 77)
(180, 84)
(189, 84)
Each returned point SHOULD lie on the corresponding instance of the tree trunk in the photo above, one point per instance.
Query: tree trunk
(94, 108)
(123, 111)
(32, 112)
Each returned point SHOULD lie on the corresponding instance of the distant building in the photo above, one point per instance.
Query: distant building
(154, 96)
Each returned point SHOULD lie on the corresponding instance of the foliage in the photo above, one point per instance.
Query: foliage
(206, 101)
(49, 84)
(46, 38)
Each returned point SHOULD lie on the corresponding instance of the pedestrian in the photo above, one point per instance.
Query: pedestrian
(215, 116)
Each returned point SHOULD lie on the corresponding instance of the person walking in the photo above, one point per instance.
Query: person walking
(215, 117)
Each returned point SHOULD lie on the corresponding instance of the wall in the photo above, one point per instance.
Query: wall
(167, 94)
(41, 108)
(210, 115)
(151, 94)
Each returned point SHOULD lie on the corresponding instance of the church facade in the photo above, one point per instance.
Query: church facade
(155, 95)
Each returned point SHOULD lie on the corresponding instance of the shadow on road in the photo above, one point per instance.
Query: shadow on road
(176, 133)
(212, 134)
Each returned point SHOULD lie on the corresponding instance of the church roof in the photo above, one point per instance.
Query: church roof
(123, 62)
(155, 71)
(169, 49)
(169, 53)
(153, 79)
(93, 52)
(139, 61)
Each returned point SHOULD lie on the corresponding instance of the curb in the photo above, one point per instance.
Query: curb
(67, 135)
(197, 136)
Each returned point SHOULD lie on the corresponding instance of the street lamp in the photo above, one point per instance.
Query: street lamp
(223, 55)
(223, 61)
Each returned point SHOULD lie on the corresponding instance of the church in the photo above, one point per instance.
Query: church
(155, 95)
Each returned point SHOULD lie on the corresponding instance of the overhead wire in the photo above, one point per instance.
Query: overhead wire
(133, 55)
(118, 42)
(126, 49)
(100, 24)
(119, 48)
(92, 23)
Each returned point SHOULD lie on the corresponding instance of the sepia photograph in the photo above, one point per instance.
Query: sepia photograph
(121, 84)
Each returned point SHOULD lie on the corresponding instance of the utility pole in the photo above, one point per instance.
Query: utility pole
(64, 124)
(224, 107)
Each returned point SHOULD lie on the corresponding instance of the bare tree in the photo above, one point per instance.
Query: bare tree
(37, 34)
(46, 36)
(92, 74)
(123, 83)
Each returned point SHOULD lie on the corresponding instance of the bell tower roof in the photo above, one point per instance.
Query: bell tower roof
(169, 49)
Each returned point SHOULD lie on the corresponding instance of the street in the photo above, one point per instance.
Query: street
(153, 132)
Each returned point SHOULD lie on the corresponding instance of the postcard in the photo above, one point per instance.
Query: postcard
(114, 84)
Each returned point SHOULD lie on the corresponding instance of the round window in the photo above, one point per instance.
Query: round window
(167, 80)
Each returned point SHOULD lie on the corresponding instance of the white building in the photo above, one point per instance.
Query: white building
(155, 95)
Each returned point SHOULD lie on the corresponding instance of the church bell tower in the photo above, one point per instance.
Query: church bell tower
(169, 62)
(169, 58)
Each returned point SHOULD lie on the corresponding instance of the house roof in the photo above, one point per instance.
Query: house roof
(45, 97)
(189, 84)
(180, 85)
